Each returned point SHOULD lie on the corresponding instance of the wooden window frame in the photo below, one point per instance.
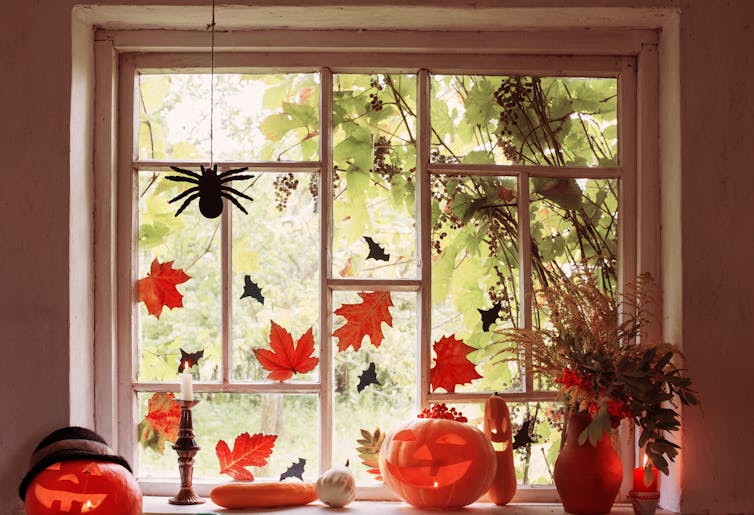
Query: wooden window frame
(631, 56)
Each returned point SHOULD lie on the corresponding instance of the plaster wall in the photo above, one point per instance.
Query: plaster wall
(45, 323)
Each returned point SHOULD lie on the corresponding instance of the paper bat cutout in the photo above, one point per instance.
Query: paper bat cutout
(295, 470)
(490, 315)
(369, 376)
(251, 289)
(523, 436)
(376, 251)
(190, 359)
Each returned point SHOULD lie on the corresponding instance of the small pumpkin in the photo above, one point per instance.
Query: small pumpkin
(497, 427)
(437, 463)
(83, 486)
(336, 487)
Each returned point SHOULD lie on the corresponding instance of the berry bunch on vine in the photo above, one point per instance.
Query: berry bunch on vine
(440, 410)
(284, 186)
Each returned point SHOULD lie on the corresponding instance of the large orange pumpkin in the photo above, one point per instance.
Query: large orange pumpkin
(437, 463)
(83, 486)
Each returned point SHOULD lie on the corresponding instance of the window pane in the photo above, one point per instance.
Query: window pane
(256, 117)
(574, 224)
(275, 268)
(475, 271)
(374, 120)
(385, 405)
(223, 416)
(536, 445)
(524, 120)
(192, 243)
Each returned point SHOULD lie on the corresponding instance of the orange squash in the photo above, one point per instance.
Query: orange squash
(263, 495)
(497, 427)
(437, 463)
(83, 486)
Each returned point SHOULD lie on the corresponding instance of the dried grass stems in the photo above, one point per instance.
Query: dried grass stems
(593, 347)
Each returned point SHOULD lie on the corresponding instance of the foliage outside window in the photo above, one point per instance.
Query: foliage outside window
(498, 149)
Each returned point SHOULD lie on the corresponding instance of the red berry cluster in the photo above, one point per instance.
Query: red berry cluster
(442, 411)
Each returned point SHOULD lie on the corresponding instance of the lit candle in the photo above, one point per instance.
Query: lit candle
(187, 388)
(640, 484)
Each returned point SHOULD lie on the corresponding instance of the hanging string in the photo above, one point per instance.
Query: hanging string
(211, 26)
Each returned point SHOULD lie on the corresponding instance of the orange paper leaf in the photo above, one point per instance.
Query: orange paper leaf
(364, 319)
(452, 365)
(285, 359)
(248, 451)
(157, 289)
(161, 422)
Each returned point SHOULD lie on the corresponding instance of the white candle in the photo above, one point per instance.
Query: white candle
(187, 388)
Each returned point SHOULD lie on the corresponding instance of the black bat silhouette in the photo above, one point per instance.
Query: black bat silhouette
(251, 289)
(295, 470)
(523, 436)
(189, 359)
(490, 315)
(376, 251)
(369, 376)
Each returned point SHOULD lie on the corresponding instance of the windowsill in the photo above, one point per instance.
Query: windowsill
(160, 506)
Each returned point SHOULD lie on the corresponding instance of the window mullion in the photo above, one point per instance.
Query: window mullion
(325, 267)
(423, 215)
(226, 274)
(524, 267)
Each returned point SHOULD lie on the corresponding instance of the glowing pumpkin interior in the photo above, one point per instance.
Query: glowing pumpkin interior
(83, 486)
(430, 463)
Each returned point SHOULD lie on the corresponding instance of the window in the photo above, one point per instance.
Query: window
(452, 188)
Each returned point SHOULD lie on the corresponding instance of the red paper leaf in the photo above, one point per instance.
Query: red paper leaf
(364, 319)
(248, 451)
(452, 365)
(285, 359)
(157, 289)
(161, 422)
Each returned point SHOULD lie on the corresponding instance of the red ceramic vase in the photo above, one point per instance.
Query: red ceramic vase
(587, 477)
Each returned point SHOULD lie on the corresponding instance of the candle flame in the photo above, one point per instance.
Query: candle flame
(87, 506)
(435, 484)
(186, 367)
(646, 458)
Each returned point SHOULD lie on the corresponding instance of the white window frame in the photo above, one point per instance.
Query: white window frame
(631, 56)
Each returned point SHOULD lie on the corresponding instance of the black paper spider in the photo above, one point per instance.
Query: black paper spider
(209, 189)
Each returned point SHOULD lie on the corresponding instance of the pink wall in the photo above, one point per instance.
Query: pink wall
(717, 110)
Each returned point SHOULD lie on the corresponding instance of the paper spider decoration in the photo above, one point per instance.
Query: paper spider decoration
(209, 189)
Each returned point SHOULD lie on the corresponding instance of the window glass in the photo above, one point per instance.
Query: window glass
(190, 243)
(374, 147)
(546, 121)
(256, 117)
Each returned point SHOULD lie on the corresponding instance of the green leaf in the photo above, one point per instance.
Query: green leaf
(276, 126)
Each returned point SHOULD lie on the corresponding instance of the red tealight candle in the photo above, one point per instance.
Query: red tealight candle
(640, 485)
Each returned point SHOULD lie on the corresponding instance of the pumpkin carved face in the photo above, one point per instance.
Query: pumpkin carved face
(437, 463)
(83, 486)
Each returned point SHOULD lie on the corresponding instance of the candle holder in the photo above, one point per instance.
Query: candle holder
(644, 503)
(186, 448)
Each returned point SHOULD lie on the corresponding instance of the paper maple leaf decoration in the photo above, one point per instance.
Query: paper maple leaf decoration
(157, 289)
(452, 365)
(160, 423)
(285, 359)
(364, 319)
(248, 451)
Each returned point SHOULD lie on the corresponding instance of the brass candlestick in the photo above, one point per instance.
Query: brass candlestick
(186, 448)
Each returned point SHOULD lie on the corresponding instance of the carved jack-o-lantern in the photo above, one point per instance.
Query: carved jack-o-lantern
(497, 426)
(83, 486)
(74, 471)
(437, 463)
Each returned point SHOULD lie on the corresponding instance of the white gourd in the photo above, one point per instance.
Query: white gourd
(336, 487)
